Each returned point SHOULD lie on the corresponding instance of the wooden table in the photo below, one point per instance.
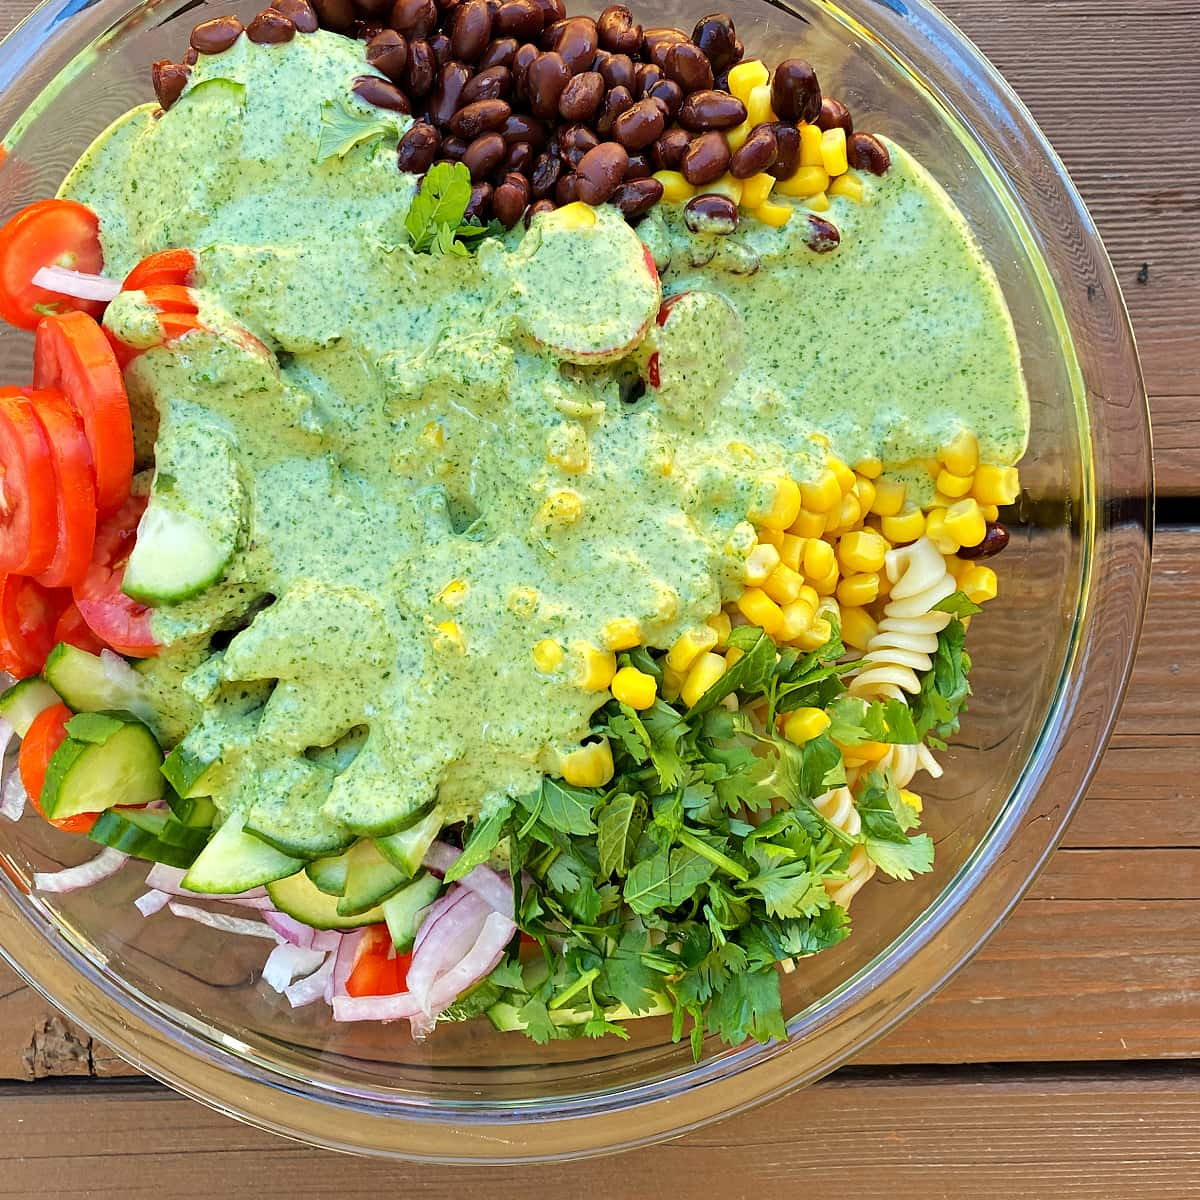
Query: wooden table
(1062, 1060)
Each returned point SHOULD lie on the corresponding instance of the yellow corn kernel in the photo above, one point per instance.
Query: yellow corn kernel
(990, 512)
(833, 151)
(756, 189)
(759, 609)
(523, 601)
(956, 566)
(791, 551)
(810, 146)
(746, 76)
(672, 681)
(783, 584)
(912, 800)
(818, 202)
(848, 184)
(808, 524)
(961, 455)
(808, 594)
(816, 635)
(862, 550)
(705, 671)
(560, 509)
(864, 493)
(979, 583)
(965, 523)
(776, 215)
(905, 526)
(596, 667)
(689, 646)
(953, 486)
(434, 435)
(634, 687)
(449, 637)
(805, 724)
(822, 494)
(826, 585)
(454, 593)
(589, 766)
(856, 590)
(573, 216)
(732, 655)
(845, 476)
(784, 505)
(725, 186)
(762, 561)
(797, 617)
(720, 624)
(889, 497)
(621, 633)
(872, 468)
(567, 447)
(857, 627)
(806, 181)
(849, 512)
(818, 558)
(547, 655)
(996, 485)
(772, 537)
(937, 533)
(676, 189)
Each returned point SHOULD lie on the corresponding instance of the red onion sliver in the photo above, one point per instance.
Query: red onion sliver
(375, 1008)
(262, 903)
(107, 862)
(489, 884)
(133, 688)
(286, 963)
(440, 857)
(452, 935)
(80, 284)
(151, 902)
(326, 939)
(309, 990)
(343, 964)
(238, 925)
(291, 930)
(12, 797)
(479, 961)
(441, 905)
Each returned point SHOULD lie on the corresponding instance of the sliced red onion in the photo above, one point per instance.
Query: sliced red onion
(309, 990)
(107, 862)
(292, 931)
(151, 902)
(326, 939)
(485, 882)
(170, 879)
(375, 1008)
(448, 941)
(80, 284)
(12, 797)
(286, 963)
(262, 903)
(7, 733)
(238, 925)
(343, 964)
(441, 905)
(440, 857)
(479, 961)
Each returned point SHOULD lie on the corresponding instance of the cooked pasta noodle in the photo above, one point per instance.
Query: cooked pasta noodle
(837, 807)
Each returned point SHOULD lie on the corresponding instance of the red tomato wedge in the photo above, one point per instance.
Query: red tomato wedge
(27, 504)
(75, 489)
(48, 233)
(115, 618)
(177, 325)
(73, 629)
(172, 298)
(377, 970)
(46, 734)
(71, 353)
(162, 267)
(29, 614)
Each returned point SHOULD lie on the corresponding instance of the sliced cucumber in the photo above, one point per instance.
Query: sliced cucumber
(370, 879)
(197, 812)
(289, 814)
(299, 897)
(329, 873)
(87, 685)
(403, 911)
(234, 861)
(154, 836)
(24, 700)
(473, 1002)
(507, 1017)
(406, 850)
(108, 759)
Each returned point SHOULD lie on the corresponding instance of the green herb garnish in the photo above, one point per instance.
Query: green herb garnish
(435, 221)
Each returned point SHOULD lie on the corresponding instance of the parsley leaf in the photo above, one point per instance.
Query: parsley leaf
(748, 1005)
(435, 219)
(666, 880)
(788, 889)
(902, 860)
(854, 720)
(886, 819)
(342, 129)
(944, 688)
(626, 977)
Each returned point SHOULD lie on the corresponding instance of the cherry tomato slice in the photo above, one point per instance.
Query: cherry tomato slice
(177, 325)
(172, 298)
(162, 267)
(28, 616)
(48, 233)
(27, 504)
(71, 352)
(115, 618)
(74, 630)
(377, 971)
(46, 734)
(75, 489)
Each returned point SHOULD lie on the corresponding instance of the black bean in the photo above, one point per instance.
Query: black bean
(471, 30)
(168, 79)
(756, 154)
(549, 35)
(484, 154)
(821, 236)
(518, 18)
(447, 96)
(668, 151)
(711, 214)
(702, 111)
(216, 36)
(545, 80)
(705, 159)
(616, 101)
(689, 67)
(716, 36)
(576, 43)
(301, 14)
(520, 127)
(552, 10)
(574, 141)
(439, 43)
(636, 197)
(600, 171)
(270, 28)
(787, 150)
(454, 148)
(520, 66)
(640, 167)
(484, 116)
(645, 76)
(835, 115)
(618, 32)
(795, 92)
(639, 125)
(566, 191)
(364, 31)
(507, 205)
(414, 18)
(865, 152)
(518, 157)
(994, 540)
(500, 53)
(480, 204)
(536, 209)
(618, 71)
(657, 42)
(388, 52)
(421, 71)
(418, 148)
(581, 97)
(545, 174)
(336, 15)
(494, 83)
(671, 95)
(382, 94)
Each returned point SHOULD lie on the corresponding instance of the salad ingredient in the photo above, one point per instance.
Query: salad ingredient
(87, 682)
(22, 702)
(164, 268)
(45, 735)
(148, 834)
(28, 615)
(378, 970)
(70, 879)
(299, 897)
(405, 911)
(73, 630)
(77, 284)
(27, 514)
(234, 861)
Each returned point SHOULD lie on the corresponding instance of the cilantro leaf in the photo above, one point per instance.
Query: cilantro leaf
(902, 860)
(562, 807)
(886, 819)
(617, 833)
(802, 773)
(342, 130)
(483, 840)
(441, 202)
(748, 1005)
(749, 673)
(788, 889)
(854, 720)
(626, 977)
(958, 605)
(944, 687)
(666, 880)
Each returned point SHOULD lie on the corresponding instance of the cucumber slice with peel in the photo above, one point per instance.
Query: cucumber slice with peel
(153, 836)
(370, 879)
(299, 897)
(404, 910)
(24, 700)
(87, 685)
(175, 557)
(236, 861)
(406, 850)
(329, 873)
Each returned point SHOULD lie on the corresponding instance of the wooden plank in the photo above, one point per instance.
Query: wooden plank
(911, 1135)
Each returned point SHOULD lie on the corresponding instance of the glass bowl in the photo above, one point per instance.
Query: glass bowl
(1052, 657)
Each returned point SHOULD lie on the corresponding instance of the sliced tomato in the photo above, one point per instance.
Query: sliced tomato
(177, 325)
(29, 614)
(115, 618)
(74, 630)
(27, 503)
(378, 970)
(172, 298)
(49, 233)
(46, 734)
(162, 267)
(75, 489)
(71, 353)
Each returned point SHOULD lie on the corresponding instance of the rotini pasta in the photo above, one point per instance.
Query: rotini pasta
(838, 808)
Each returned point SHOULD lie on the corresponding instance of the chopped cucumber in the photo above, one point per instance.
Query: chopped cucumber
(198, 812)
(329, 873)
(185, 771)
(108, 759)
(235, 861)
(154, 836)
(404, 910)
(87, 685)
(370, 879)
(299, 897)
(288, 814)
(406, 850)
(473, 1002)
(507, 1017)
(24, 700)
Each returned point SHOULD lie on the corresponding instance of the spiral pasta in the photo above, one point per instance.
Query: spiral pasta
(838, 808)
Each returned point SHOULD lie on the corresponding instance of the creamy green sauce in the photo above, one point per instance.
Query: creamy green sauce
(399, 423)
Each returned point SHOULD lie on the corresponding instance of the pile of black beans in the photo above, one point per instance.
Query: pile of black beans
(545, 109)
